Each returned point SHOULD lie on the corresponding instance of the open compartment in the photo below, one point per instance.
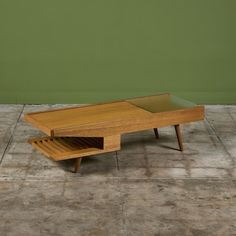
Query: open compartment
(62, 148)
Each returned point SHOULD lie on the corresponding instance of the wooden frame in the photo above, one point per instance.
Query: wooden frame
(88, 130)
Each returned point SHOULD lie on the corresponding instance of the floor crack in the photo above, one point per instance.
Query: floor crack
(123, 213)
(221, 142)
(234, 121)
(12, 134)
(117, 161)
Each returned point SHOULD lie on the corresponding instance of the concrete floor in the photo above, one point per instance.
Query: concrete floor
(147, 188)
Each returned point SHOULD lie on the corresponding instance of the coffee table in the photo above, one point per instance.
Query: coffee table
(78, 132)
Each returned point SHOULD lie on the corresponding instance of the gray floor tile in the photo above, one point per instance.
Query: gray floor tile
(147, 188)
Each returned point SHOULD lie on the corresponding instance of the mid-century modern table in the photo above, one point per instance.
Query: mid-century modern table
(74, 133)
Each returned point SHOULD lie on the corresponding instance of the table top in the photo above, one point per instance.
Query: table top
(106, 114)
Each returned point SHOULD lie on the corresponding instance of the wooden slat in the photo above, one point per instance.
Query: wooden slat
(78, 142)
(47, 143)
(75, 143)
(43, 149)
(83, 143)
(67, 144)
(57, 145)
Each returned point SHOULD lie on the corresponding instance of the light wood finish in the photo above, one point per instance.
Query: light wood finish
(179, 137)
(110, 142)
(88, 130)
(136, 123)
(62, 148)
(114, 118)
(77, 164)
(103, 115)
(156, 133)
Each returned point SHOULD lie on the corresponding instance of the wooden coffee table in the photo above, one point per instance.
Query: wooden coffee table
(74, 133)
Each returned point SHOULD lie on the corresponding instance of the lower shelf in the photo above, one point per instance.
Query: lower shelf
(62, 148)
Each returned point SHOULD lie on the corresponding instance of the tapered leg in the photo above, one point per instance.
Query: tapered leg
(179, 137)
(77, 164)
(156, 133)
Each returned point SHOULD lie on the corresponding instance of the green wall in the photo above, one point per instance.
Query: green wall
(82, 51)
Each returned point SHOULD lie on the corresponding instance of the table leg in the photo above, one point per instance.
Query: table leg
(77, 164)
(179, 137)
(156, 133)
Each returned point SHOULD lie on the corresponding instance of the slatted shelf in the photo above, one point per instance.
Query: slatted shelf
(62, 148)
